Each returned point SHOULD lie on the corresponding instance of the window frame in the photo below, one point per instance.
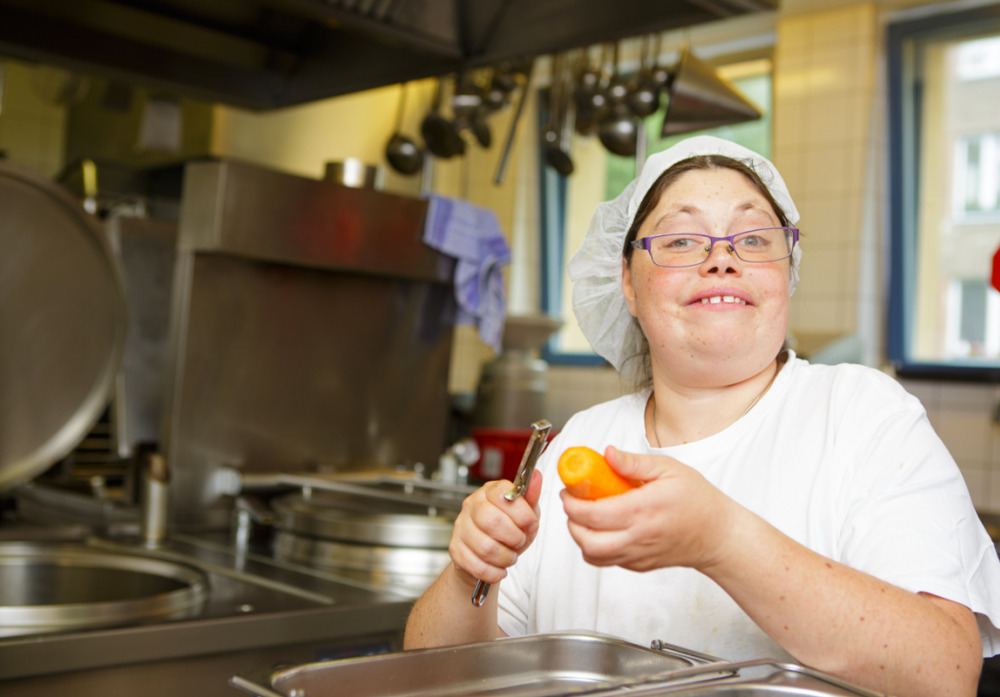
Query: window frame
(903, 182)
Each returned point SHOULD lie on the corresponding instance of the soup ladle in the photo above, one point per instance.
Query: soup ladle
(402, 152)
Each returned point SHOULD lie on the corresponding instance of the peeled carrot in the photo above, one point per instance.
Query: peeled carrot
(587, 474)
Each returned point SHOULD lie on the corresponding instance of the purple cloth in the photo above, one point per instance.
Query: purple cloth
(471, 234)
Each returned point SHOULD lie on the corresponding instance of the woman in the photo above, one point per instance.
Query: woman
(786, 510)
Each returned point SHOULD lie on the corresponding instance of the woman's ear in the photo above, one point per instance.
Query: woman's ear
(627, 287)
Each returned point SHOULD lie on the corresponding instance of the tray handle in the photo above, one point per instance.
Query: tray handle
(674, 681)
(253, 686)
(680, 652)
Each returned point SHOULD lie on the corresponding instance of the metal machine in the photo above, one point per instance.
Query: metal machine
(303, 398)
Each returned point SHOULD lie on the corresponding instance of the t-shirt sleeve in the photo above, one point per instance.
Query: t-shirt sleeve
(901, 473)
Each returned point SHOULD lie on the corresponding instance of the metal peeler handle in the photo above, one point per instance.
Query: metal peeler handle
(536, 444)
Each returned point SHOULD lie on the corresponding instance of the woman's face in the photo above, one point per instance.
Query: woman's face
(720, 322)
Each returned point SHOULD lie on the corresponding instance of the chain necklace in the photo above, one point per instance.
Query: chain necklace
(777, 369)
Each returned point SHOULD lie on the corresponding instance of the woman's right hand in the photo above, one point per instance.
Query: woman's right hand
(490, 532)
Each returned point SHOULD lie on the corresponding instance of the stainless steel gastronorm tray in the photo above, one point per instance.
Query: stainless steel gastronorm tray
(535, 666)
(553, 665)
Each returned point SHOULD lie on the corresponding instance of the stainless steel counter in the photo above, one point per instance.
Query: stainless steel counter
(258, 612)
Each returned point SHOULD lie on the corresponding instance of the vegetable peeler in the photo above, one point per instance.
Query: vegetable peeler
(540, 431)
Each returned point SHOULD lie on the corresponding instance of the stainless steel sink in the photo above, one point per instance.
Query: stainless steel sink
(98, 612)
(57, 586)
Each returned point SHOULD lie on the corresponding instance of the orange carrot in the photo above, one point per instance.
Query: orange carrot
(587, 474)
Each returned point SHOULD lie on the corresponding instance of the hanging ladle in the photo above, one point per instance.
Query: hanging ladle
(553, 136)
(618, 130)
(591, 95)
(402, 152)
(468, 105)
(440, 135)
(644, 97)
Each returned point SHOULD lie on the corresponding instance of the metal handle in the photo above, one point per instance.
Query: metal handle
(536, 444)
(505, 155)
(479, 595)
(682, 652)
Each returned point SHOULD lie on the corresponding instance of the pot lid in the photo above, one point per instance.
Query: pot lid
(62, 310)
(332, 516)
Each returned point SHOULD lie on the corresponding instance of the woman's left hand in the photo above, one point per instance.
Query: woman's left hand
(676, 518)
(874, 634)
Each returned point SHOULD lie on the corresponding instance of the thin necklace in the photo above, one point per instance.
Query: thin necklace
(777, 369)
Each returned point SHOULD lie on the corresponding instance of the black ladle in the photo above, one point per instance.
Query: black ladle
(496, 95)
(644, 97)
(440, 135)
(468, 105)
(480, 128)
(618, 130)
(555, 154)
(402, 152)
(591, 96)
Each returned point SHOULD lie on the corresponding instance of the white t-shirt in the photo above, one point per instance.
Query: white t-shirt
(840, 458)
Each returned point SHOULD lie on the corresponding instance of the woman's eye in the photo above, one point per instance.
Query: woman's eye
(752, 241)
(679, 242)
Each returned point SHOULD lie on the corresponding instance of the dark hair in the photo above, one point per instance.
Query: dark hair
(674, 172)
(643, 375)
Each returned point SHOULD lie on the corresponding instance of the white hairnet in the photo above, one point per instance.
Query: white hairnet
(596, 269)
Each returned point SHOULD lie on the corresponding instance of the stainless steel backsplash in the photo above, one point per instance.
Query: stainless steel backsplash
(311, 331)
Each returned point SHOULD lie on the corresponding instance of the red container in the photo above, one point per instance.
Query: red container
(501, 451)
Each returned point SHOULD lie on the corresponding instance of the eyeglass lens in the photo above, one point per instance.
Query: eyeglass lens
(766, 244)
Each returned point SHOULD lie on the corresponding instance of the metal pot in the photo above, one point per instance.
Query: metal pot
(375, 532)
(355, 173)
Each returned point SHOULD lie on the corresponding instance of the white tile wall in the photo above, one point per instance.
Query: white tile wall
(963, 414)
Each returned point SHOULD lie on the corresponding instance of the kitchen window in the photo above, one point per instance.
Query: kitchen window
(568, 203)
(976, 189)
(944, 177)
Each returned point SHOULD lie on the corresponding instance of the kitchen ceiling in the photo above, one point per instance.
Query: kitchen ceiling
(265, 54)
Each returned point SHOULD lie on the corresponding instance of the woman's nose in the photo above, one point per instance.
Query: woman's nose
(721, 259)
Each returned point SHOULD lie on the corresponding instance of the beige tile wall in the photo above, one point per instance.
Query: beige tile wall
(825, 66)
(964, 416)
(32, 125)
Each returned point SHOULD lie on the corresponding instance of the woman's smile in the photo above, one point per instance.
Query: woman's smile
(723, 298)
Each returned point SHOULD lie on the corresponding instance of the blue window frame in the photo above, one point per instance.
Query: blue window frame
(944, 188)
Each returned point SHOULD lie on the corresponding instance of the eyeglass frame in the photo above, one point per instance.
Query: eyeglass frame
(644, 243)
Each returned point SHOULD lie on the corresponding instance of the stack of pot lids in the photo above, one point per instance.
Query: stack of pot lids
(62, 313)
(339, 517)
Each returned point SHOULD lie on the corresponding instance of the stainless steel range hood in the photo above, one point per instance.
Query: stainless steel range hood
(264, 54)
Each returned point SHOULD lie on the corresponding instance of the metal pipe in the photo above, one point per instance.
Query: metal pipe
(505, 156)
(155, 499)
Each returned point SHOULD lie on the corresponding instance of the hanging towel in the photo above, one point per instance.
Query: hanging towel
(472, 235)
